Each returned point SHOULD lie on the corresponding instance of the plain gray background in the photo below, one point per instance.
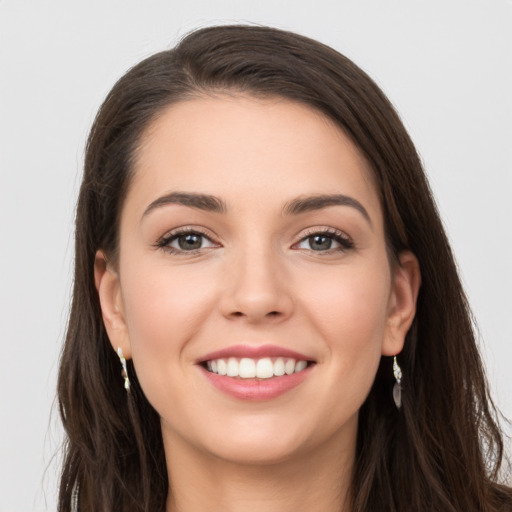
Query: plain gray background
(445, 64)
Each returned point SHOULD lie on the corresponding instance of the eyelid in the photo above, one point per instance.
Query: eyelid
(164, 240)
(341, 237)
(324, 230)
(344, 240)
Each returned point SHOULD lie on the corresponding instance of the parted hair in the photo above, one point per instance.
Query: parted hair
(442, 451)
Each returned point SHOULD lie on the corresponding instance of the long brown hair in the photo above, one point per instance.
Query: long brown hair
(441, 451)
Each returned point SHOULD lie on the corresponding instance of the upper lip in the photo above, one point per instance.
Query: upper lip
(254, 352)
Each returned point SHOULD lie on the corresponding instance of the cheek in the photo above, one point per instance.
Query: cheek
(352, 303)
(164, 308)
(349, 311)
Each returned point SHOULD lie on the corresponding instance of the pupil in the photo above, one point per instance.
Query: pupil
(190, 241)
(319, 242)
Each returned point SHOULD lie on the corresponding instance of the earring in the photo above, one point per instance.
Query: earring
(397, 388)
(124, 371)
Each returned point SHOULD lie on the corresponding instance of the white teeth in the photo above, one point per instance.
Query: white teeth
(247, 368)
(279, 367)
(300, 365)
(264, 368)
(221, 367)
(233, 367)
(289, 367)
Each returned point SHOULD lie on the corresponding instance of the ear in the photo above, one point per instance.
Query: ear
(406, 282)
(108, 287)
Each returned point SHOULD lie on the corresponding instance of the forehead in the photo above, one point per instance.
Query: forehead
(243, 148)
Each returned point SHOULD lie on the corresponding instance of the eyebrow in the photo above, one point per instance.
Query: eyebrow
(200, 201)
(317, 202)
(299, 205)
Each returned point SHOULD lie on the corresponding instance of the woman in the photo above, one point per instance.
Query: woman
(266, 311)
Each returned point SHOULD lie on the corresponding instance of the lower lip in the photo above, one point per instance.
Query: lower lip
(257, 389)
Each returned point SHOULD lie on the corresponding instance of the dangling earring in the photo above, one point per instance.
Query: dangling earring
(397, 388)
(124, 371)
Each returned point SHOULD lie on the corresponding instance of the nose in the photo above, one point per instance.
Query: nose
(258, 289)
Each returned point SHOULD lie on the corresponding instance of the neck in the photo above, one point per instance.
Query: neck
(316, 480)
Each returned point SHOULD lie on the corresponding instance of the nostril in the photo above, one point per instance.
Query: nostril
(270, 313)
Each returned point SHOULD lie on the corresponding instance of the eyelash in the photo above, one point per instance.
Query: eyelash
(167, 239)
(345, 242)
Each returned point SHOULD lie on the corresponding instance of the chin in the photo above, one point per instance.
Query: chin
(253, 440)
(253, 450)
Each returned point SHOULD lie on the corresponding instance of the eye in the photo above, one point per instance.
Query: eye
(185, 241)
(326, 241)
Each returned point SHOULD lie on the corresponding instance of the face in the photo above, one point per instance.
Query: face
(253, 290)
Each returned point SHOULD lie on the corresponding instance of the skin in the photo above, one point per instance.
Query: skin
(256, 280)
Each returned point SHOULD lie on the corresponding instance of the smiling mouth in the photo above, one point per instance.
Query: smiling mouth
(262, 368)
